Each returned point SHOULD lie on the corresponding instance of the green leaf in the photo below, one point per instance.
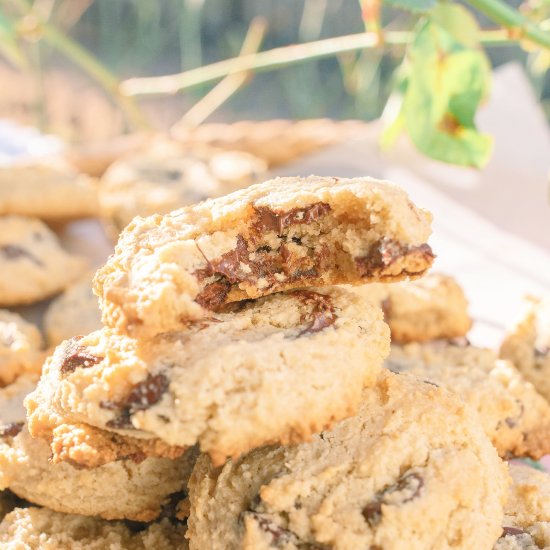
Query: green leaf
(9, 46)
(447, 82)
(414, 6)
(458, 22)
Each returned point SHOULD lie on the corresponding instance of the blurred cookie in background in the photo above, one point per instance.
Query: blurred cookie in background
(49, 191)
(167, 177)
(33, 266)
(527, 345)
(20, 347)
(75, 312)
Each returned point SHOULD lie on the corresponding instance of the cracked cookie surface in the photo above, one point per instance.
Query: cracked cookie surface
(33, 266)
(413, 470)
(282, 234)
(274, 369)
(515, 417)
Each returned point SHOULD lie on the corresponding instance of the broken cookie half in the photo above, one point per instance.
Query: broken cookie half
(282, 234)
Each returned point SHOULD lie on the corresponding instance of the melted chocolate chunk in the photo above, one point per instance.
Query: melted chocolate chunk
(513, 531)
(322, 314)
(385, 252)
(143, 395)
(213, 295)
(268, 219)
(76, 356)
(406, 489)
(170, 509)
(14, 252)
(11, 429)
(512, 421)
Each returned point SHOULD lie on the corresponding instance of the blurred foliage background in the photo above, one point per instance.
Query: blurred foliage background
(144, 37)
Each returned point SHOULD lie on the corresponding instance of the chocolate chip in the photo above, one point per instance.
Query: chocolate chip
(76, 356)
(372, 513)
(406, 489)
(14, 252)
(385, 252)
(11, 429)
(459, 342)
(268, 219)
(513, 531)
(279, 536)
(322, 314)
(542, 350)
(213, 295)
(143, 395)
(512, 421)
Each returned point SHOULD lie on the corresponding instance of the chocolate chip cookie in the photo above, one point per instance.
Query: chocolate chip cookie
(528, 344)
(426, 309)
(285, 233)
(274, 369)
(138, 490)
(413, 470)
(42, 529)
(527, 511)
(166, 178)
(515, 417)
(33, 266)
(20, 347)
(73, 313)
(49, 192)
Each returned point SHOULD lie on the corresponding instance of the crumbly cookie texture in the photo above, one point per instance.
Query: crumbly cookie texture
(73, 313)
(528, 344)
(429, 308)
(42, 529)
(282, 234)
(515, 417)
(527, 511)
(137, 490)
(166, 178)
(20, 347)
(413, 470)
(87, 446)
(49, 192)
(276, 369)
(33, 266)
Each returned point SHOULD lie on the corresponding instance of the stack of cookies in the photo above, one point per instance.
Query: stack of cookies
(237, 395)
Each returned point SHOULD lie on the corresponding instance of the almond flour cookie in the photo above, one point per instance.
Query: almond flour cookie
(74, 313)
(166, 178)
(20, 347)
(528, 345)
(527, 511)
(49, 192)
(515, 417)
(275, 369)
(413, 470)
(282, 234)
(140, 490)
(33, 266)
(426, 309)
(42, 529)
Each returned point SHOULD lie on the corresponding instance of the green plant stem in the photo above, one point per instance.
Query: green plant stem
(275, 59)
(513, 20)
